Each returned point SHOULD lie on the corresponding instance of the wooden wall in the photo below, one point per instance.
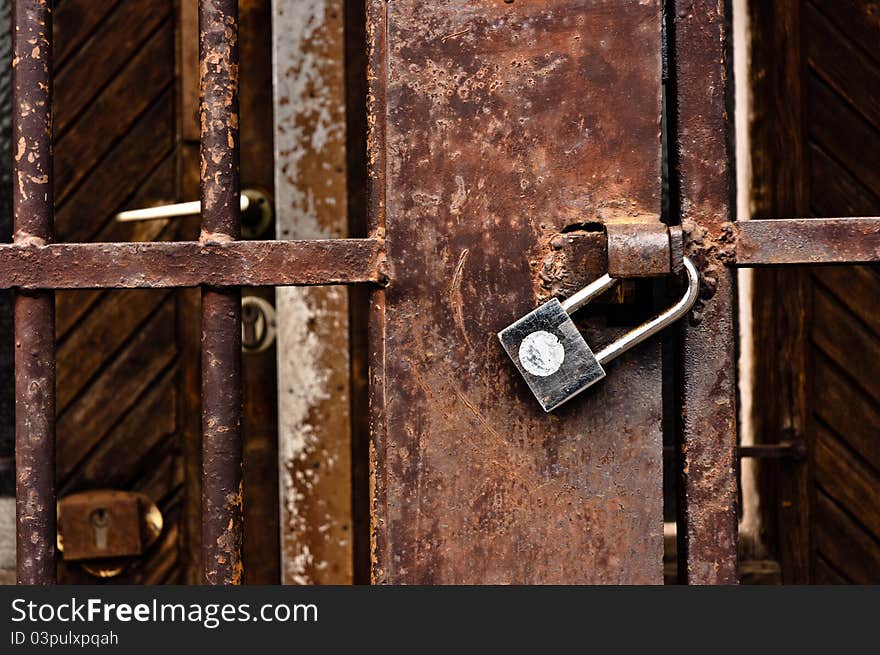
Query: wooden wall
(816, 77)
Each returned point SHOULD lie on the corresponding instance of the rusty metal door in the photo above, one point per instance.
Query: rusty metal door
(514, 154)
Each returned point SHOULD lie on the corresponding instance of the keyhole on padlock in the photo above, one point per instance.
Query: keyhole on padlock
(253, 328)
(100, 524)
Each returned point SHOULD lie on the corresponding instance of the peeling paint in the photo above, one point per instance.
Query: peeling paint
(313, 423)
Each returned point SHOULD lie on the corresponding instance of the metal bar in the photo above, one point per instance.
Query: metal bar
(699, 158)
(34, 312)
(784, 450)
(807, 241)
(190, 264)
(26, 265)
(221, 307)
(377, 329)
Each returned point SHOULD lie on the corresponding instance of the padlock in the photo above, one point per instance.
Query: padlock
(553, 356)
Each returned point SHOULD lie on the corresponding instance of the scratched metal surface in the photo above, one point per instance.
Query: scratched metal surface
(501, 124)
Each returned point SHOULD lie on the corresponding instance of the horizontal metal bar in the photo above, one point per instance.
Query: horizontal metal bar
(190, 264)
(807, 241)
(787, 450)
(784, 450)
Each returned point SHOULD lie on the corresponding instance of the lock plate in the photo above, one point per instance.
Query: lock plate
(551, 354)
(100, 525)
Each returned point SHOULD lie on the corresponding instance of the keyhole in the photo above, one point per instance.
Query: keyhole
(100, 524)
(253, 326)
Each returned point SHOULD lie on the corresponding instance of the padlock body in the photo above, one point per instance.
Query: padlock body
(551, 354)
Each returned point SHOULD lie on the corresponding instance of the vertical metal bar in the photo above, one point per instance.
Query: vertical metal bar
(34, 312)
(376, 20)
(221, 308)
(699, 129)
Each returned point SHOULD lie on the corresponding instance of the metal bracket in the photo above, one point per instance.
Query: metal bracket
(642, 248)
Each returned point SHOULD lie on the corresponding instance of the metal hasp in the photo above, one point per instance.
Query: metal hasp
(553, 356)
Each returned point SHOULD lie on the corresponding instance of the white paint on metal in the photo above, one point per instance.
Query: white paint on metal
(306, 112)
(309, 127)
(541, 354)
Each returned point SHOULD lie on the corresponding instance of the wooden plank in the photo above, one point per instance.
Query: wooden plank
(842, 65)
(844, 134)
(313, 360)
(139, 86)
(857, 288)
(848, 344)
(115, 391)
(846, 410)
(74, 21)
(126, 449)
(188, 69)
(137, 172)
(101, 59)
(506, 123)
(859, 19)
(71, 306)
(845, 545)
(835, 192)
(7, 350)
(97, 337)
(826, 574)
(847, 480)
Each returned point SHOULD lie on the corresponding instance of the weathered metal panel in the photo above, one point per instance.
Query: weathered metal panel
(313, 330)
(700, 160)
(503, 124)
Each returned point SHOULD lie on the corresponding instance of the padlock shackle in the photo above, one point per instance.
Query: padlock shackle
(652, 327)
(588, 293)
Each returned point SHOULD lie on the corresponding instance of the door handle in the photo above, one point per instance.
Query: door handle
(256, 212)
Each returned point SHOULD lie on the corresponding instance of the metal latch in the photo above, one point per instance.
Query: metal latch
(104, 530)
(553, 356)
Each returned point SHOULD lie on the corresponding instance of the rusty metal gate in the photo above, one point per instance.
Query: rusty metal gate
(514, 154)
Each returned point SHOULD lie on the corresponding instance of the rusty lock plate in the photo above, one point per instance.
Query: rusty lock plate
(104, 529)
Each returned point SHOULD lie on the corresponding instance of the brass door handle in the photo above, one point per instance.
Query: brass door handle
(256, 212)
